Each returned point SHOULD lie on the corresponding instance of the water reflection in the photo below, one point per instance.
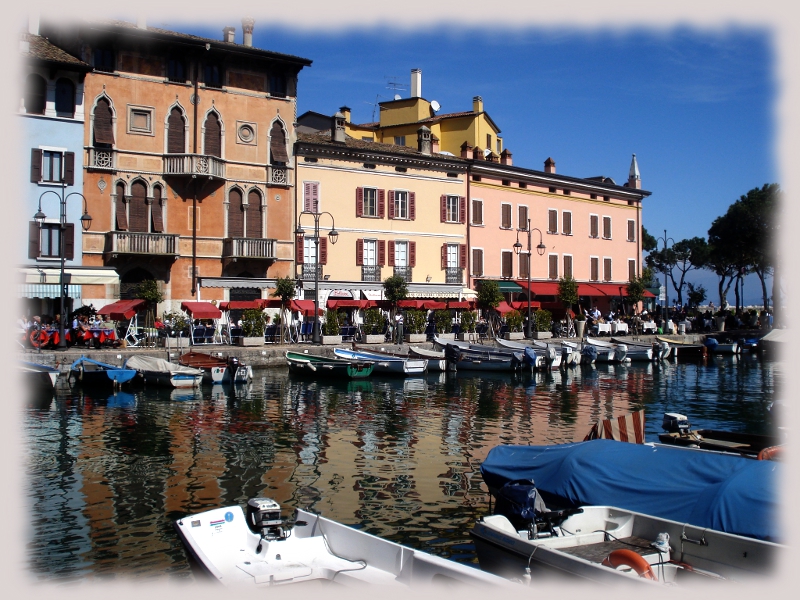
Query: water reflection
(399, 458)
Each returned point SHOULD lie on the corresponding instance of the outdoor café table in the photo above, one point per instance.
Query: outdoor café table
(602, 328)
(687, 325)
(648, 326)
(619, 327)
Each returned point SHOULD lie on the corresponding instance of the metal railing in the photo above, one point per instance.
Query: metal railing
(370, 273)
(193, 164)
(454, 275)
(308, 271)
(127, 242)
(404, 272)
(249, 247)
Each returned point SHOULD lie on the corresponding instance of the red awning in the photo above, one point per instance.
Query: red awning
(410, 304)
(334, 303)
(304, 306)
(201, 310)
(121, 309)
(503, 308)
(242, 304)
(434, 305)
(539, 288)
(461, 305)
(523, 304)
(271, 302)
(607, 289)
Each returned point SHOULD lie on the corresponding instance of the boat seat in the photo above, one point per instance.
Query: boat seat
(597, 552)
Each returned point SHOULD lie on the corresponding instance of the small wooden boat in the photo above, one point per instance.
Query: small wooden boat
(385, 363)
(518, 357)
(435, 358)
(95, 373)
(323, 366)
(678, 432)
(466, 359)
(217, 369)
(659, 350)
(258, 550)
(685, 350)
(38, 377)
(163, 372)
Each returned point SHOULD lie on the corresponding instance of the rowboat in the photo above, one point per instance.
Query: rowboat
(716, 347)
(95, 373)
(681, 350)
(614, 353)
(659, 350)
(217, 369)
(435, 358)
(540, 356)
(465, 359)
(323, 366)
(678, 432)
(385, 363)
(518, 357)
(258, 549)
(163, 372)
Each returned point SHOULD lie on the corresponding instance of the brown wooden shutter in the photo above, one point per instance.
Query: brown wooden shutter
(391, 204)
(523, 266)
(36, 165)
(631, 270)
(381, 203)
(508, 265)
(69, 168)
(412, 205)
(607, 227)
(593, 226)
(176, 132)
(298, 249)
(462, 210)
(444, 256)
(443, 208)
(477, 212)
(69, 241)
(122, 215)
(323, 251)
(391, 253)
(137, 211)
(254, 220)
(505, 216)
(631, 230)
(522, 218)
(462, 256)
(278, 143)
(381, 252)
(155, 210)
(567, 266)
(359, 252)
(595, 269)
(412, 254)
(360, 202)
(566, 223)
(212, 140)
(552, 226)
(34, 238)
(103, 122)
(606, 269)
(235, 214)
(552, 266)
(477, 262)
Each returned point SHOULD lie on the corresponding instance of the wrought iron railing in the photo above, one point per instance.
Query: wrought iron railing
(128, 242)
(193, 164)
(370, 273)
(248, 247)
(310, 269)
(454, 275)
(404, 272)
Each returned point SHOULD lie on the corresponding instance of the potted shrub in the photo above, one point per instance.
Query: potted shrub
(514, 322)
(580, 324)
(468, 321)
(414, 324)
(252, 328)
(330, 328)
(373, 326)
(543, 320)
(719, 319)
(444, 324)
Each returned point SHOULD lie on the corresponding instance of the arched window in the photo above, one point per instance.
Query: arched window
(277, 146)
(235, 214)
(35, 94)
(176, 128)
(137, 211)
(156, 210)
(121, 213)
(65, 97)
(254, 220)
(212, 141)
(103, 123)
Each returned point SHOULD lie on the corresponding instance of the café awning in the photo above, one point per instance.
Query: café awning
(256, 304)
(461, 305)
(201, 310)
(334, 303)
(306, 307)
(503, 308)
(72, 275)
(541, 288)
(121, 310)
(523, 304)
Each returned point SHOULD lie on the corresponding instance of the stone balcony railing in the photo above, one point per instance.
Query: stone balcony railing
(101, 159)
(249, 248)
(193, 164)
(129, 242)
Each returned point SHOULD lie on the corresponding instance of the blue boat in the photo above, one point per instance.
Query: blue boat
(93, 373)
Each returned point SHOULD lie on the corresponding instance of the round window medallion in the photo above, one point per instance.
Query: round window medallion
(246, 133)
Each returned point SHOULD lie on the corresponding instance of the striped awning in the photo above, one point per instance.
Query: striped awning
(74, 276)
(27, 290)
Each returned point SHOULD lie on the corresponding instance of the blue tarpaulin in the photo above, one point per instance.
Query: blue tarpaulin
(706, 489)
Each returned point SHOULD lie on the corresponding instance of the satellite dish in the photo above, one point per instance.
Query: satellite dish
(487, 152)
(397, 97)
(435, 106)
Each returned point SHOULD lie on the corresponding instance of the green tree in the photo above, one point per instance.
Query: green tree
(635, 289)
(682, 257)
(395, 289)
(649, 243)
(695, 294)
(285, 290)
(568, 294)
(489, 297)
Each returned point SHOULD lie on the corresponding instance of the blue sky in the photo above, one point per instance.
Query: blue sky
(695, 105)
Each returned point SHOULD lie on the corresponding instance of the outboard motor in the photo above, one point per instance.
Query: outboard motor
(589, 354)
(621, 352)
(520, 502)
(264, 517)
(675, 423)
(551, 354)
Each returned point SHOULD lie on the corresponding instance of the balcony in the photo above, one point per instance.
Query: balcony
(404, 272)
(370, 273)
(309, 270)
(128, 242)
(454, 275)
(101, 159)
(193, 164)
(248, 248)
(278, 175)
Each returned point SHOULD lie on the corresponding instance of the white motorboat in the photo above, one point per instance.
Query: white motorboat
(435, 358)
(590, 354)
(162, 372)
(547, 356)
(615, 353)
(38, 377)
(385, 363)
(659, 350)
(259, 550)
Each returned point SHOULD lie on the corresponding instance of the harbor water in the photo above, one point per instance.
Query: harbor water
(107, 474)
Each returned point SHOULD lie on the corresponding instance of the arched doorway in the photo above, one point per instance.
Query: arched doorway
(131, 279)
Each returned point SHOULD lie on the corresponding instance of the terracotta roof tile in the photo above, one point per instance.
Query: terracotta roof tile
(40, 48)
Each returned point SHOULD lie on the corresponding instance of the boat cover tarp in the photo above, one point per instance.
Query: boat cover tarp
(158, 365)
(706, 489)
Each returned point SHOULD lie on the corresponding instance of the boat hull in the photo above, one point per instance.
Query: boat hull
(385, 364)
(436, 360)
(318, 366)
(724, 441)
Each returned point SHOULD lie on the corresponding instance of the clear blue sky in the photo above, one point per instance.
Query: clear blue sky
(695, 105)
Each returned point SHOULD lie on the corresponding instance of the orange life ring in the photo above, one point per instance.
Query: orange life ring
(770, 453)
(617, 558)
(39, 338)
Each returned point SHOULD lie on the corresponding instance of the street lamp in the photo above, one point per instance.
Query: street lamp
(86, 223)
(540, 249)
(333, 236)
(666, 240)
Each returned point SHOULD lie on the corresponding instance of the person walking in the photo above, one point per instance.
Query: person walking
(398, 319)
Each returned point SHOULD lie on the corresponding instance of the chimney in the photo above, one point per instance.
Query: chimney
(477, 153)
(337, 131)
(416, 83)
(141, 22)
(434, 144)
(424, 140)
(345, 110)
(228, 34)
(505, 158)
(634, 180)
(477, 104)
(247, 31)
(466, 150)
(33, 23)
(549, 165)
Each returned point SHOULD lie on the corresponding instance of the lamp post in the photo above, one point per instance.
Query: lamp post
(666, 240)
(333, 235)
(86, 222)
(540, 249)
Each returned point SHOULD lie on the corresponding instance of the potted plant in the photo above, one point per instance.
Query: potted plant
(580, 324)
(252, 328)
(285, 290)
(330, 328)
(373, 326)
(468, 321)
(543, 320)
(514, 322)
(719, 319)
(414, 324)
(444, 324)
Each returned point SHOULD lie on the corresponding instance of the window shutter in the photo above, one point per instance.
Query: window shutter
(359, 252)
(412, 205)
(381, 203)
(176, 137)
(595, 268)
(462, 255)
(412, 254)
(593, 226)
(552, 226)
(235, 214)
(523, 218)
(360, 202)
(567, 223)
(69, 168)
(277, 144)
(69, 241)
(103, 122)
(33, 239)
(155, 210)
(391, 253)
(523, 266)
(36, 166)
(462, 210)
(444, 256)
(477, 212)
(553, 266)
(631, 230)
(323, 250)
(505, 217)
(122, 215)
(381, 252)
(391, 204)
(631, 269)
(298, 249)
(138, 220)
(607, 227)
(212, 141)
(607, 269)
(443, 208)
(567, 266)
(477, 262)
(254, 221)
(508, 264)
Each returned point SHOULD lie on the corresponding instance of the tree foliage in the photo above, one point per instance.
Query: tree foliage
(489, 295)
(395, 289)
(682, 257)
(649, 243)
(635, 289)
(695, 294)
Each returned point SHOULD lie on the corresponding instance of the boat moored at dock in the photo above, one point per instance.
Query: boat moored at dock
(304, 363)
(162, 372)
(385, 363)
(93, 373)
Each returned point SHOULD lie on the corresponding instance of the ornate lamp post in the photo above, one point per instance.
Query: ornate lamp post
(333, 236)
(86, 222)
(666, 240)
(517, 250)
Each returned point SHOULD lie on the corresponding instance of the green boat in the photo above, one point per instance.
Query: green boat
(323, 366)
